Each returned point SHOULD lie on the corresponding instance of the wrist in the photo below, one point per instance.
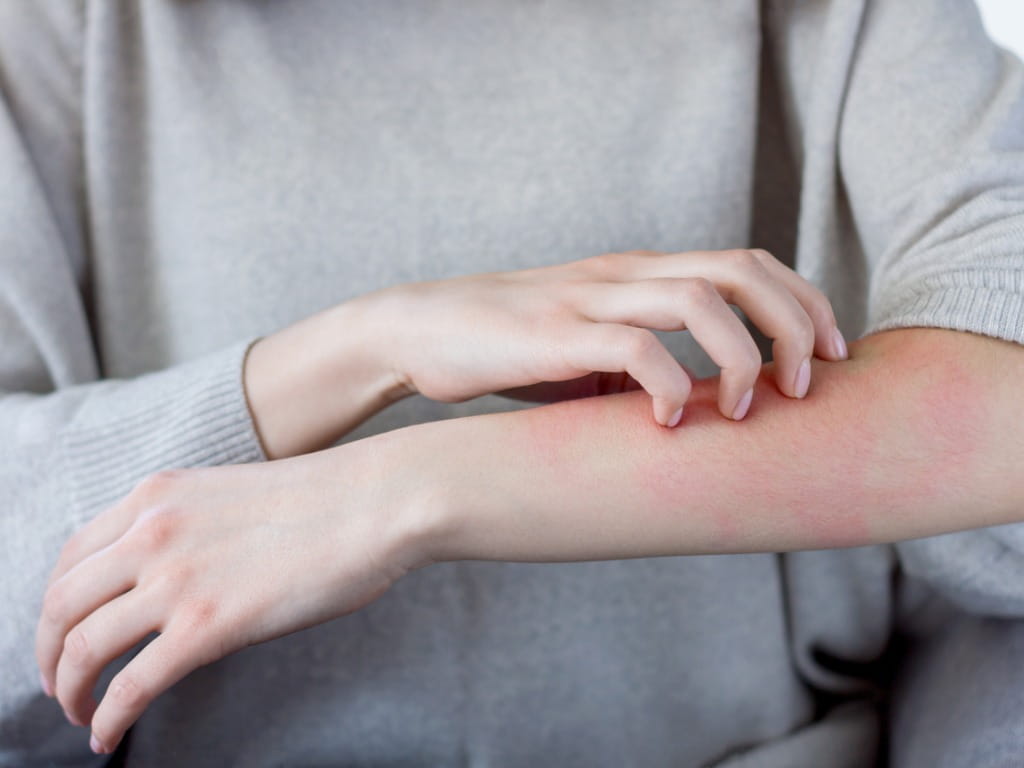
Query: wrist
(310, 383)
(364, 325)
(412, 468)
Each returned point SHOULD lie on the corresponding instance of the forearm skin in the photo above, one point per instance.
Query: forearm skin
(919, 433)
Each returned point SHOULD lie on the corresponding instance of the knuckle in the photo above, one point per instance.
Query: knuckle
(639, 344)
(76, 648)
(750, 361)
(197, 615)
(127, 692)
(821, 307)
(600, 265)
(55, 604)
(748, 262)
(682, 388)
(803, 332)
(701, 291)
(156, 528)
(762, 256)
(158, 484)
(753, 361)
(172, 579)
(744, 257)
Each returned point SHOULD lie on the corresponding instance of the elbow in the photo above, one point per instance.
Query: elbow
(948, 414)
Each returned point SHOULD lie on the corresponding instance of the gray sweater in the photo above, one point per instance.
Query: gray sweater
(179, 178)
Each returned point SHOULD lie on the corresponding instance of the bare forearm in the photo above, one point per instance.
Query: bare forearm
(917, 434)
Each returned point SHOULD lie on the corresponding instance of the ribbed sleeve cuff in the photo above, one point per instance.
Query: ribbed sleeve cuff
(191, 415)
(993, 312)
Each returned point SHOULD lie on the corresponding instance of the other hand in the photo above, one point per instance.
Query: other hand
(213, 560)
(519, 331)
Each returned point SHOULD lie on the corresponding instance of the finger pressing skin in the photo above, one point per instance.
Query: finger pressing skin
(637, 351)
(675, 304)
(745, 282)
(741, 279)
(781, 303)
(94, 642)
(94, 581)
(163, 662)
(829, 343)
(728, 342)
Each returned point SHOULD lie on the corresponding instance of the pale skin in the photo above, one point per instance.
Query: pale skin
(914, 435)
(540, 334)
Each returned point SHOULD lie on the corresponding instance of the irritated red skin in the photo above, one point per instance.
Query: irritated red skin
(830, 476)
(914, 436)
(933, 446)
(809, 472)
(735, 494)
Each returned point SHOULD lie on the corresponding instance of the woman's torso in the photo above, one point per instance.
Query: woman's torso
(251, 163)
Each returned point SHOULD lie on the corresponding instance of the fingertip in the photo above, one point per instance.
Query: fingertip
(743, 405)
(97, 746)
(45, 684)
(675, 418)
(802, 383)
(79, 713)
(70, 717)
(839, 350)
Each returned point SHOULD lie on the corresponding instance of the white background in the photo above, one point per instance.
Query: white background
(1004, 20)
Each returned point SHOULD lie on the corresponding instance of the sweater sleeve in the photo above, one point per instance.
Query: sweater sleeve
(931, 159)
(71, 442)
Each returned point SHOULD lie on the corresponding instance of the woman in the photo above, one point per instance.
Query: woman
(454, 198)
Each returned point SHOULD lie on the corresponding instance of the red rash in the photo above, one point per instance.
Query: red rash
(929, 448)
(833, 470)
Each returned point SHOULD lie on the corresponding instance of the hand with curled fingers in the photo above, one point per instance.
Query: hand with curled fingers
(219, 558)
(213, 560)
(517, 332)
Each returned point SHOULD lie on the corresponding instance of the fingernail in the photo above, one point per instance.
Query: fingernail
(803, 378)
(675, 418)
(46, 686)
(743, 405)
(95, 746)
(839, 344)
(70, 719)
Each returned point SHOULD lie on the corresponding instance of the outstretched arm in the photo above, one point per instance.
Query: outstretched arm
(918, 434)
